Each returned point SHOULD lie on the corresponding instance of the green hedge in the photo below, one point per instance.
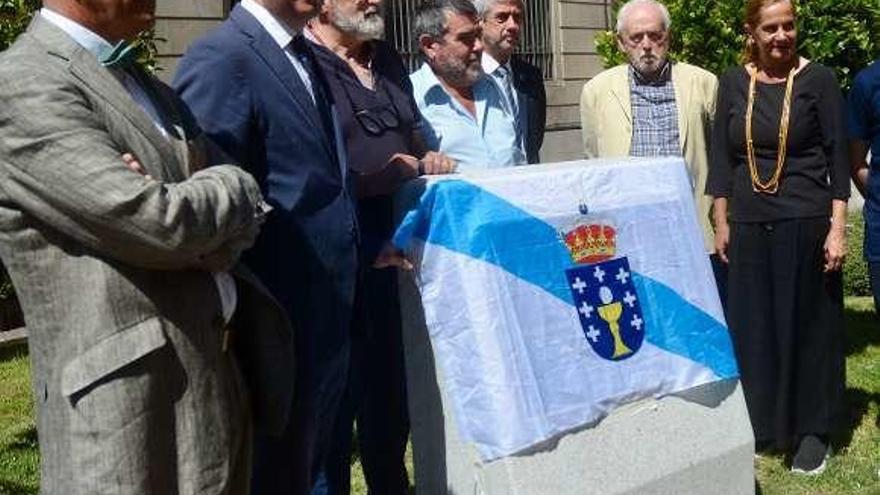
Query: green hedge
(839, 33)
(14, 18)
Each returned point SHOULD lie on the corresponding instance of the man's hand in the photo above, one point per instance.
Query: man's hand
(391, 256)
(132, 163)
(434, 163)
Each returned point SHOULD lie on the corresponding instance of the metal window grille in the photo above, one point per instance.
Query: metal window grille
(535, 42)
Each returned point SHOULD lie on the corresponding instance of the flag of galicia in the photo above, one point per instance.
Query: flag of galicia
(554, 293)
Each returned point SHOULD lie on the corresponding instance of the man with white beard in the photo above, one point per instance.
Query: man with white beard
(380, 124)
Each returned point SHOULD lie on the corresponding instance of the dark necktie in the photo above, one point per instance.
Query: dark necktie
(304, 54)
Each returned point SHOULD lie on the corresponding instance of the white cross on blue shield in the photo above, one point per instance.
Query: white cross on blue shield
(608, 307)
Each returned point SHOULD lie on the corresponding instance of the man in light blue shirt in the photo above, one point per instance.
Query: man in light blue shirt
(465, 115)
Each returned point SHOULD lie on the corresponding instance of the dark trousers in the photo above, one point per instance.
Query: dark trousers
(874, 270)
(719, 269)
(290, 463)
(786, 319)
(375, 399)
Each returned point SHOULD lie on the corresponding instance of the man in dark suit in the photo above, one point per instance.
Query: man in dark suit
(521, 82)
(253, 86)
(123, 276)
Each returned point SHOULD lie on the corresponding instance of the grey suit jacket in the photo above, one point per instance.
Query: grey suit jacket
(134, 392)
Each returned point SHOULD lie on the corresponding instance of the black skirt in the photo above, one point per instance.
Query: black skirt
(786, 319)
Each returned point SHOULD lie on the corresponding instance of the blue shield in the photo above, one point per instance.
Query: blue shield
(608, 306)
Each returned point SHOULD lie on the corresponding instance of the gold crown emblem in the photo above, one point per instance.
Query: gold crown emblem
(591, 243)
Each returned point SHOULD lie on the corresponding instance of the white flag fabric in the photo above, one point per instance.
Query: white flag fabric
(555, 293)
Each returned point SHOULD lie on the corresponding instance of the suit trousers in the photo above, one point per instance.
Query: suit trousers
(375, 398)
(786, 320)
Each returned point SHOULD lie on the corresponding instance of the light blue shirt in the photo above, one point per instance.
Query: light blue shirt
(485, 141)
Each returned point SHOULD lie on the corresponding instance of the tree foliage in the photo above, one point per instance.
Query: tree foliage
(14, 18)
(838, 33)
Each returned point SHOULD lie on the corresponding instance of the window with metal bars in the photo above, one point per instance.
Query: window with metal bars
(535, 43)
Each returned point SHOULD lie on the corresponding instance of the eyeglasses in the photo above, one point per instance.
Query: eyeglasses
(376, 119)
(655, 37)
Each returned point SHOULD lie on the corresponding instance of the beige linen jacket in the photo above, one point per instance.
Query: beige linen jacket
(606, 123)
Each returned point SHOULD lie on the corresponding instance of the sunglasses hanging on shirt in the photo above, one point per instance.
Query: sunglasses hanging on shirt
(376, 119)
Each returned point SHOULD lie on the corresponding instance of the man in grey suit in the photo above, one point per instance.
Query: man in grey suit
(123, 276)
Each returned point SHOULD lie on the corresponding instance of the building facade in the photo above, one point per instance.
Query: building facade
(559, 38)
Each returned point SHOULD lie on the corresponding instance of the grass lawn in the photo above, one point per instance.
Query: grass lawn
(855, 467)
(19, 460)
(852, 471)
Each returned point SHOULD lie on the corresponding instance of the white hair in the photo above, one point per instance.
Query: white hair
(624, 12)
(483, 6)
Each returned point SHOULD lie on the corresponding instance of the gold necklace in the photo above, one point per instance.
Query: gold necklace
(772, 185)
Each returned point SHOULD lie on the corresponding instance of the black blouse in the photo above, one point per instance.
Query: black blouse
(816, 166)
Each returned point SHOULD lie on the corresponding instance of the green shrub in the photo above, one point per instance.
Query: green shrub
(14, 18)
(855, 270)
(710, 34)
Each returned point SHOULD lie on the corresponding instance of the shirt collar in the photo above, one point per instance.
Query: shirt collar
(663, 77)
(490, 65)
(95, 44)
(277, 29)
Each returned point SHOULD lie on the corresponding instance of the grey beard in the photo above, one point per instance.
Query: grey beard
(363, 27)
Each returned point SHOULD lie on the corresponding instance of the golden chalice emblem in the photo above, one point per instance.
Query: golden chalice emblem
(610, 311)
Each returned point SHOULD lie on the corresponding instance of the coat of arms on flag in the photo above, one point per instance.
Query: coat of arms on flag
(604, 294)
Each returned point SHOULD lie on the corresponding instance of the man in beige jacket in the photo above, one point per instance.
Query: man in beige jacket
(652, 106)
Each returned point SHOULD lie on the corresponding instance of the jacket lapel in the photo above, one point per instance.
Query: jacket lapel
(85, 68)
(681, 104)
(620, 93)
(275, 59)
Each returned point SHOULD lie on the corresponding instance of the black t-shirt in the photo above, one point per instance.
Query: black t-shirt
(816, 166)
(369, 139)
(376, 124)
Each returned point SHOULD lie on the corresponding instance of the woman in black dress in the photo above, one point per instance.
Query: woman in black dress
(778, 173)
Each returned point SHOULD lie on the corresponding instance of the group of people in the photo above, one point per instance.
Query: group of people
(204, 269)
(769, 153)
